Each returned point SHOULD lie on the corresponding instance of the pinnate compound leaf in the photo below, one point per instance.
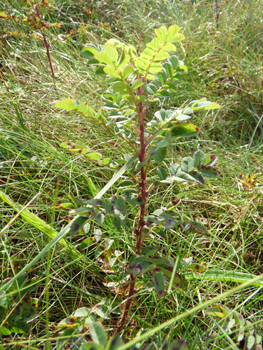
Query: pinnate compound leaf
(158, 283)
(98, 334)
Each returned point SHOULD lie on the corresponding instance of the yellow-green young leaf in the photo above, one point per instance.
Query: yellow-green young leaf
(112, 52)
(116, 43)
(86, 110)
(162, 55)
(177, 37)
(150, 77)
(168, 47)
(110, 70)
(127, 98)
(127, 71)
(154, 44)
(156, 67)
(120, 88)
(105, 161)
(137, 84)
(124, 59)
(213, 105)
(68, 104)
(142, 62)
(185, 130)
(140, 98)
(161, 34)
(2, 14)
(94, 156)
(172, 31)
(103, 57)
(148, 53)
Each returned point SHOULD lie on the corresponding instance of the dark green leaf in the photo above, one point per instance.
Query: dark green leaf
(140, 264)
(114, 343)
(162, 173)
(99, 217)
(150, 250)
(100, 72)
(163, 93)
(117, 223)
(158, 154)
(208, 171)
(77, 225)
(173, 60)
(199, 159)
(126, 183)
(120, 205)
(158, 283)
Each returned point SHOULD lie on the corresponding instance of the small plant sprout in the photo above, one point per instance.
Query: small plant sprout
(133, 110)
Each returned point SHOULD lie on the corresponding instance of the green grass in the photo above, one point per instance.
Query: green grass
(225, 65)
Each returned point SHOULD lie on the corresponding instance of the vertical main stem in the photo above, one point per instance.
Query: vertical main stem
(143, 198)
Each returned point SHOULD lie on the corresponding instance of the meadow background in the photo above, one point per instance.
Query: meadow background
(223, 52)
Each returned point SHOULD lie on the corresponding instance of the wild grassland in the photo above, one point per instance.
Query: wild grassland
(225, 65)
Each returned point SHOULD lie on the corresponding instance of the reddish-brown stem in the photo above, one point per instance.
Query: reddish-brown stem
(48, 53)
(47, 45)
(143, 198)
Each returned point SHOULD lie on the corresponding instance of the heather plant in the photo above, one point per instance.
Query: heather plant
(132, 110)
